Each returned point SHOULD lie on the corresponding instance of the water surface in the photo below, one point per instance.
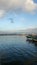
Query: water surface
(16, 50)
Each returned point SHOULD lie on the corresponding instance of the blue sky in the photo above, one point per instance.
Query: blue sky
(21, 19)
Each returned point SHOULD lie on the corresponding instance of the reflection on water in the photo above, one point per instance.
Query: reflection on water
(16, 50)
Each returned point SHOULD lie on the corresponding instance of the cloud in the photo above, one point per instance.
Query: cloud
(17, 6)
(30, 6)
(1, 13)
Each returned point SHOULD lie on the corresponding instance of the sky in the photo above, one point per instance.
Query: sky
(22, 13)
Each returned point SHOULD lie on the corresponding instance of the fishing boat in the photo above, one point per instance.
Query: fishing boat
(32, 38)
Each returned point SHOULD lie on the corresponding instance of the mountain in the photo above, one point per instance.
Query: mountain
(27, 31)
(34, 30)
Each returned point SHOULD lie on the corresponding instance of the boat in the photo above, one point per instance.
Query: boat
(32, 38)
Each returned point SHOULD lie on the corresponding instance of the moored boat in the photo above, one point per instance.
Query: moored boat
(32, 38)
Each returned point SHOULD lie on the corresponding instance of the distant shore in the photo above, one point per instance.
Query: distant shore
(12, 34)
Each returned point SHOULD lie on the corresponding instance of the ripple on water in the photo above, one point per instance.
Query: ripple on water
(16, 48)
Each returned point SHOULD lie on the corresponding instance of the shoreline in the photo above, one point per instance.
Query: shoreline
(12, 34)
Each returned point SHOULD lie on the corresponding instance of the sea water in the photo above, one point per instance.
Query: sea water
(17, 50)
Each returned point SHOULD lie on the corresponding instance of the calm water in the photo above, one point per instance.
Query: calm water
(16, 50)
